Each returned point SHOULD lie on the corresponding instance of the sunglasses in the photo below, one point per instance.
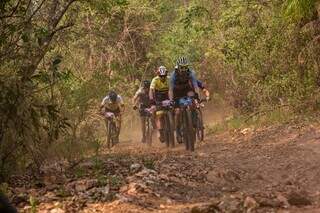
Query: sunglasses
(163, 76)
(183, 67)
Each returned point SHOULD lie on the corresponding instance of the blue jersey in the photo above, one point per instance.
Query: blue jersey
(192, 77)
(181, 84)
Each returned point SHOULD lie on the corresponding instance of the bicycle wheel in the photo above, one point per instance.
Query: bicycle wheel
(170, 123)
(166, 129)
(191, 134)
(115, 133)
(109, 134)
(184, 128)
(200, 127)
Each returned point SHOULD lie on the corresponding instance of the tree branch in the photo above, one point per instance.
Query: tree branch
(35, 11)
(13, 11)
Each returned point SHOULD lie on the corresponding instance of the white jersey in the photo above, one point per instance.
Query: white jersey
(106, 102)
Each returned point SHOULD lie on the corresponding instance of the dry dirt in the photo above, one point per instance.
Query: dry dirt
(271, 169)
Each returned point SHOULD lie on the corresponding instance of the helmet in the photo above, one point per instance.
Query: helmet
(182, 62)
(146, 84)
(162, 71)
(113, 96)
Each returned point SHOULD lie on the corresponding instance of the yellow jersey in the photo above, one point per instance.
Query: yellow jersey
(159, 85)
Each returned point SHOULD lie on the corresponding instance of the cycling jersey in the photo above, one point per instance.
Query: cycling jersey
(161, 88)
(112, 107)
(182, 83)
(143, 98)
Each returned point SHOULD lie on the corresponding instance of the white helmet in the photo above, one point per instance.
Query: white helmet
(162, 71)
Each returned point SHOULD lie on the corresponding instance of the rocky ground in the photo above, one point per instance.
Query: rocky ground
(272, 169)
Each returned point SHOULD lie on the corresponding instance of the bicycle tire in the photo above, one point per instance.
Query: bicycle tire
(171, 129)
(191, 134)
(200, 128)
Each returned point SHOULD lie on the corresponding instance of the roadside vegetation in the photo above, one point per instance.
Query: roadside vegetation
(60, 57)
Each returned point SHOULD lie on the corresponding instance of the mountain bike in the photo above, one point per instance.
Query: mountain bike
(187, 128)
(149, 125)
(165, 109)
(112, 129)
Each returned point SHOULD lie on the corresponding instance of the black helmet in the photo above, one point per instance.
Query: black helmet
(182, 62)
(146, 84)
(113, 96)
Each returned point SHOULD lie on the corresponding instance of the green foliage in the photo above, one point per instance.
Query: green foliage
(300, 9)
(53, 77)
(149, 163)
(34, 204)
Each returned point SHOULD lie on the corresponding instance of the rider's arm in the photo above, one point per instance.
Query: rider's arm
(121, 103)
(195, 83)
(102, 104)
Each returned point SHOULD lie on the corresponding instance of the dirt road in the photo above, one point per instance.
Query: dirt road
(272, 169)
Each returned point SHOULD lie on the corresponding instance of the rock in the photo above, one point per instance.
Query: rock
(135, 188)
(52, 187)
(268, 202)
(57, 210)
(20, 198)
(50, 196)
(229, 189)
(123, 199)
(229, 204)
(206, 208)
(246, 131)
(135, 167)
(283, 200)
(84, 185)
(299, 199)
(146, 172)
(212, 176)
(250, 204)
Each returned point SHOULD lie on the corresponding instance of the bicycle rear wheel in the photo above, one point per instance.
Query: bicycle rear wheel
(109, 134)
(170, 129)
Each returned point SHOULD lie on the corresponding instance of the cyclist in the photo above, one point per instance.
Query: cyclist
(159, 91)
(113, 103)
(182, 81)
(141, 101)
